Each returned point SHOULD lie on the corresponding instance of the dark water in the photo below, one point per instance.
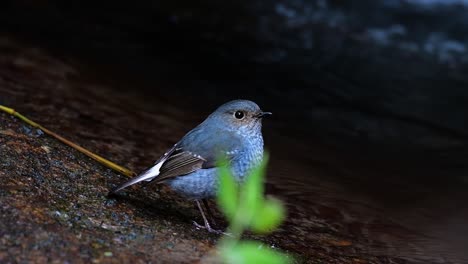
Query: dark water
(395, 205)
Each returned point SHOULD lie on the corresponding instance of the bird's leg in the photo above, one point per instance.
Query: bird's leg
(208, 210)
(207, 224)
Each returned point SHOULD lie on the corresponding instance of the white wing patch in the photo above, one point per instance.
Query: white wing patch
(152, 172)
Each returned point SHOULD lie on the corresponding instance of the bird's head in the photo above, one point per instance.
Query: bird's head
(242, 116)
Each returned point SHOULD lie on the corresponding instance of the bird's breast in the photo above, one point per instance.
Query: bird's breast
(250, 156)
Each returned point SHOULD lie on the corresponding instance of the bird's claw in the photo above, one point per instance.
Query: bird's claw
(209, 229)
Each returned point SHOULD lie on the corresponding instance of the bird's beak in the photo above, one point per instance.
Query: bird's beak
(263, 114)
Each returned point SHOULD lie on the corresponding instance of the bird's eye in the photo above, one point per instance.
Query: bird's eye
(239, 114)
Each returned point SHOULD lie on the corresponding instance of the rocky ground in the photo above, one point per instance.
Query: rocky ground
(54, 207)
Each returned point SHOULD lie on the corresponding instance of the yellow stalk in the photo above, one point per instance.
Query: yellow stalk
(88, 153)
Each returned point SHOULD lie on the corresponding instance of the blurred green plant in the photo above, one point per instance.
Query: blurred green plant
(246, 208)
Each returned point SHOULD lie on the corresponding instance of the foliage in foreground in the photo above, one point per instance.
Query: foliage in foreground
(246, 208)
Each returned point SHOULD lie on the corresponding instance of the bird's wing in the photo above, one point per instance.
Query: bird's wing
(197, 150)
(210, 145)
(181, 162)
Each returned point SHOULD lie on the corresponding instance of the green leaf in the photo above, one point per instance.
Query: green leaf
(252, 191)
(269, 217)
(253, 252)
(227, 197)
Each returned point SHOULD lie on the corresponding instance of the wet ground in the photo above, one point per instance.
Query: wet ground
(348, 202)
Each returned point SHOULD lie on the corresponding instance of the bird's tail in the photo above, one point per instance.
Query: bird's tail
(147, 175)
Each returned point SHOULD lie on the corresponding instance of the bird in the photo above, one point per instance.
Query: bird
(189, 167)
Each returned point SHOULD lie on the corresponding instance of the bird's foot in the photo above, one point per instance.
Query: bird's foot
(210, 229)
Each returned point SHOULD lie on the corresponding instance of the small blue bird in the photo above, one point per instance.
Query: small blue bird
(189, 167)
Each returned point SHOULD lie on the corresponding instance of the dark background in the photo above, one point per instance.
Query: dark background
(385, 71)
(369, 97)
